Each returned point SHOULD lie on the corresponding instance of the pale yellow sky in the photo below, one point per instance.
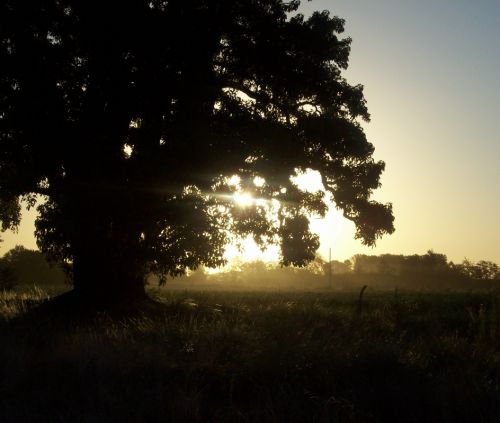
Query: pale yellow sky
(430, 70)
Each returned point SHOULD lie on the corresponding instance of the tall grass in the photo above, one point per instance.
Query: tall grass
(13, 303)
(267, 357)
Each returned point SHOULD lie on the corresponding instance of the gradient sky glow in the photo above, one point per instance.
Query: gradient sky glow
(431, 71)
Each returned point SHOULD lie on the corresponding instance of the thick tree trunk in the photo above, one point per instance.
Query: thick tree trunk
(106, 283)
(106, 266)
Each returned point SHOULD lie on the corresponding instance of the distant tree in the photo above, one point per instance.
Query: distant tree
(396, 264)
(338, 267)
(363, 263)
(481, 270)
(348, 265)
(428, 263)
(8, 278)
(128, 118)
(29, 267)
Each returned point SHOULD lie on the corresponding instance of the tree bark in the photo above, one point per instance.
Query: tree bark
(103, 281)
(106, 266)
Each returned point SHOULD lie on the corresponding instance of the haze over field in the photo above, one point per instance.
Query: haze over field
(430, 71)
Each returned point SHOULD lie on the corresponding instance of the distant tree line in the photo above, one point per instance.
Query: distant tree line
(481, 270)
(430, 271)
(22, 268)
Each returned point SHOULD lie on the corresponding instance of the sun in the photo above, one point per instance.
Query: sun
(250, 251)
(243, 199)
(335, 232)
(309, 181)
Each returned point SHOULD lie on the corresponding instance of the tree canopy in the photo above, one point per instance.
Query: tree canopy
(130, 118)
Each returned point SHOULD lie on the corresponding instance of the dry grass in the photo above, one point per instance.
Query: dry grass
(267, 357)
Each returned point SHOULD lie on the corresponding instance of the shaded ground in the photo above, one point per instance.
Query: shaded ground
(267, 357)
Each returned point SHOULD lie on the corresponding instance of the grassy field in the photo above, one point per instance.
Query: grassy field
(258, 356)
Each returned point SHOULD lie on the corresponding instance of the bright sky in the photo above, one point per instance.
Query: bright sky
(431, 71)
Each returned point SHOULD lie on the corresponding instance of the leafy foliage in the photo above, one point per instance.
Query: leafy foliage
(130, 116)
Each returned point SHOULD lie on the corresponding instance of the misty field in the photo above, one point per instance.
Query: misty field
(257, 356)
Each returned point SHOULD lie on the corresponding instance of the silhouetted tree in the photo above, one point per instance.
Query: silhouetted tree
(337, 267)
(128, 117)
(363, 263)
(483, 269)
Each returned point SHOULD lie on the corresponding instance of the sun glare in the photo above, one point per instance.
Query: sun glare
(333, 230)
(243, 199)
(258, 181)
(250, 251)
(309, 181)
(233, 181)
